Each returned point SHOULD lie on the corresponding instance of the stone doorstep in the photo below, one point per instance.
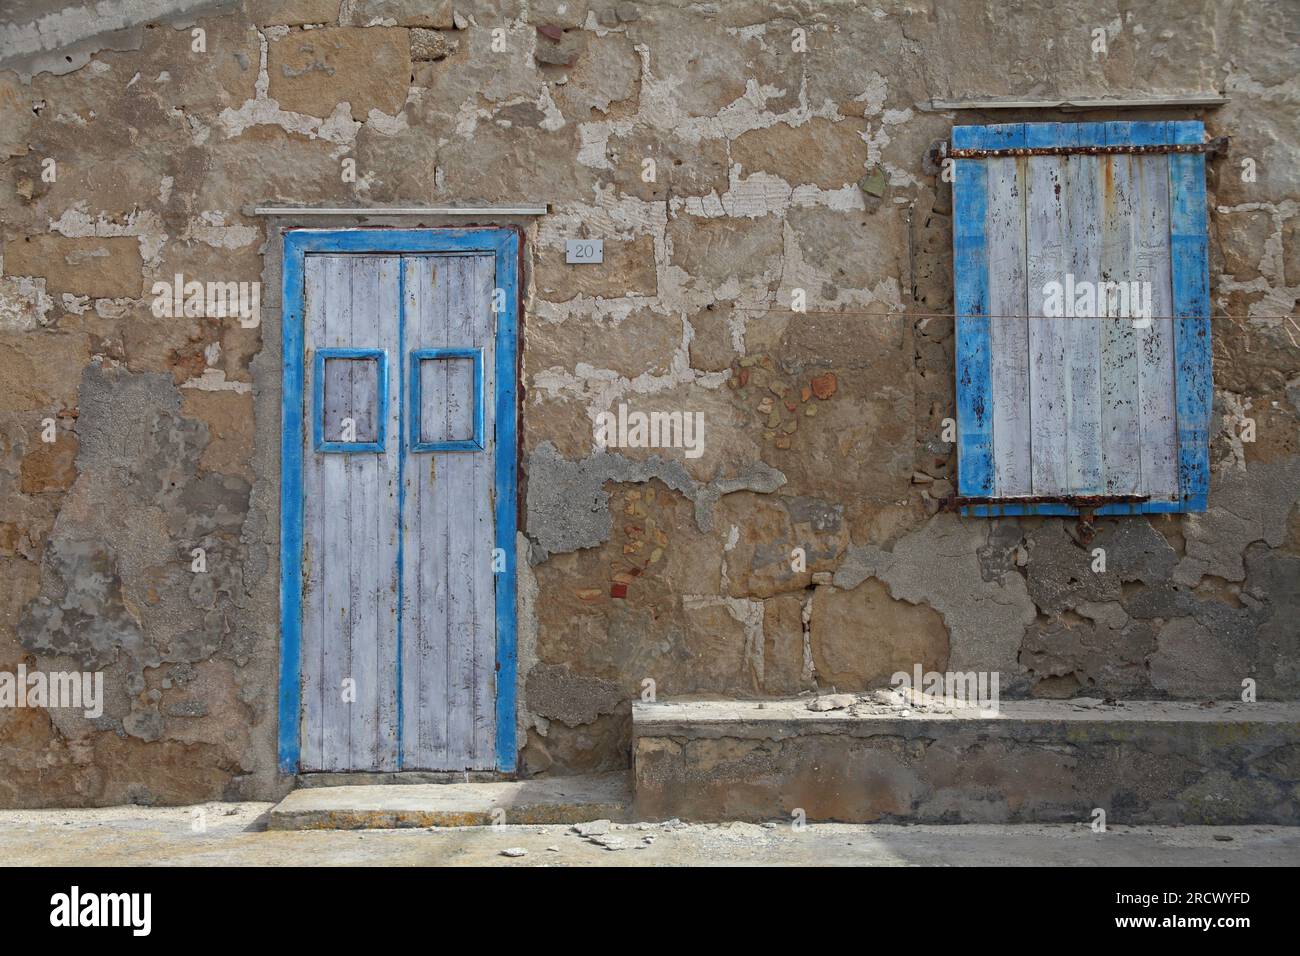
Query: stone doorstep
(1156, 762)
(541, 800)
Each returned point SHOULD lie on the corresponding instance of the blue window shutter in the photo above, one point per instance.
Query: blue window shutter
(1185, 408)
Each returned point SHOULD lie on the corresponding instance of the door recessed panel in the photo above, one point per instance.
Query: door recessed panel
(350, 397)
(446, 399)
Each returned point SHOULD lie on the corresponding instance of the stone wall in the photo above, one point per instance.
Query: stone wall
(775, 169)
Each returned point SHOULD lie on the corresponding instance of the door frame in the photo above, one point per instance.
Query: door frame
(504, 244)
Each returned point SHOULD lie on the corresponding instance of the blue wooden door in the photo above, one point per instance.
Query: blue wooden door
(403, 580)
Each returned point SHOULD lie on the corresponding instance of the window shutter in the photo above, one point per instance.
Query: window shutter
(1106, 409)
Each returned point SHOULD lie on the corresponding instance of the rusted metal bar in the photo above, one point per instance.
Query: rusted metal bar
(1213, 147)
(1083, 502)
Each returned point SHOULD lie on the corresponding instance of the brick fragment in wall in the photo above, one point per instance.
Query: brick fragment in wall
(629, 269)
(293, 12)
(820, 152)
(769, 528)
(1059, 571)
(784, 671)
(1067, 658)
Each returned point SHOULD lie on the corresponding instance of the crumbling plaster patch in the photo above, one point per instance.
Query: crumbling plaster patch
(64, 40)
(24, 305)
(938, 565)
(1244, 507)
(568, 507)
(117, 587)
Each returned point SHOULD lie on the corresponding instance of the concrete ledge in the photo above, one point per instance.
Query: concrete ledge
(1033, 762)
(537, 801)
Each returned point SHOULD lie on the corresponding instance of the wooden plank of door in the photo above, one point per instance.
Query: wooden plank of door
(1083, 332)
(388, 517)
(1047, 258)
(311, 651)
(1008, 326)
(371, 516)
(364, 575)
(484, 741)
(462, 549)
(1121, 434)
(335, 542)
(424, 611)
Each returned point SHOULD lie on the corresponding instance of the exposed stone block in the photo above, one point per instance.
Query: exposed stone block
(293, 12)
(863, 636)
(100, 268)
(312, 71)
(629, 269)
(818, 152)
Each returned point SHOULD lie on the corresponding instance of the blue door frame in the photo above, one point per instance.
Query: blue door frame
(298, 244)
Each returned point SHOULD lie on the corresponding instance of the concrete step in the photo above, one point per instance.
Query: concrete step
(541, 800)
(1148, 762)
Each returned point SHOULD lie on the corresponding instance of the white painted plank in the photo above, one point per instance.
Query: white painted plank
(1082, 189)
(414, 731)
(388, 520)
(425, 612)
(335, 539)
(311, 661)
(1121, 436)
(459, 492)
(1008, 327)
(1158, 422)
(365, 576)
(1048, 261)
(484, 746)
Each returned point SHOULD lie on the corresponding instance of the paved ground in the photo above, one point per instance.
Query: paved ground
(235, 834)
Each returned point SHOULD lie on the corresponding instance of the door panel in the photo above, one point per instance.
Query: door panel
(350, 514)
(448, 589)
